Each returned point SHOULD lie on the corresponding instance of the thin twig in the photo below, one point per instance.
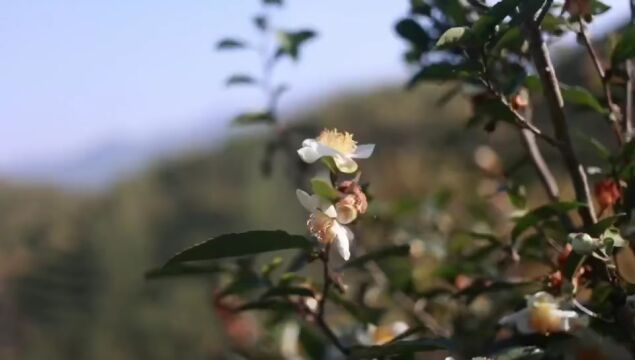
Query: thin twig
(519, 119)
(555, 102)
(615, 117)
(628, 118)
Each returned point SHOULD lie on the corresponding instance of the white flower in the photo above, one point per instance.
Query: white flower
(382, 334)
(339, 146)
(323, 223)
(542, 315)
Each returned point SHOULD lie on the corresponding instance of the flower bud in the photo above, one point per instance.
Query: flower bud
(354, 195)
(583, 243)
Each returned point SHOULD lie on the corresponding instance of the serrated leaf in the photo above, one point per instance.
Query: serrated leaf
(400, 348)
(625, 48)
(253, 118)
(383, 253)
(410, 30)
(239, 79)
(241, 244)
(291, 42)
(229, 43)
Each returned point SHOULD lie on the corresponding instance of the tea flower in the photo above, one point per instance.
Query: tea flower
(542, 315)
(339, 146)
(382, 334)
(324, 225)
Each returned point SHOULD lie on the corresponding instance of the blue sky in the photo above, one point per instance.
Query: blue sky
(77, 73)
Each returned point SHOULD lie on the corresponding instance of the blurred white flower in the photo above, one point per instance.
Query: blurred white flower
(542, 315)
(339, 146)
(324, 225)
(382, 334)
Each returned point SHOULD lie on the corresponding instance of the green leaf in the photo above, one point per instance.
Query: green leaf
(598, 7)
(410, 30)
(184, 270)
(442, 71)
(575, 95)
(240, 79)
(229, 43)
(601, 226)
(612, 238)
(272, 2)
(291, 41)
(625, 48)
(385, 252)
(454, 37)
(485, 26)
(534, 217)
(268, 304)
(284, 291)
(580, 96)
(400, 348)
(253, 118)
(324, 188)
(241, 244)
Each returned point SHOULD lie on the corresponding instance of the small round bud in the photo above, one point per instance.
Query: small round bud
(583, 243)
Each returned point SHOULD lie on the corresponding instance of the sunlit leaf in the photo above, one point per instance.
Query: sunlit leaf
(453, 37)
(241, 244)
(400, 348)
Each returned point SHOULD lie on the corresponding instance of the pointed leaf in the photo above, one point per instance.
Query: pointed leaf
(241, 244)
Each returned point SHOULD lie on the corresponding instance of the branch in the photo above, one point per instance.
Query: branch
(519, 119)
(599, 68)
(628, 119)
(555, 102)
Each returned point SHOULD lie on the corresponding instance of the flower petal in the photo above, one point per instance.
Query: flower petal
(342, 240)
(565, 317)
(308, 154)
(363, 151)
(309, 202)
(328, 209)
(345, 164)
(519, 320)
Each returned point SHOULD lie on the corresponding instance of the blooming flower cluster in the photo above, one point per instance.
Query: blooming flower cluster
(334, 205)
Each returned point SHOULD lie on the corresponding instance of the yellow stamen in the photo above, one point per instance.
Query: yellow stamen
(340, 141)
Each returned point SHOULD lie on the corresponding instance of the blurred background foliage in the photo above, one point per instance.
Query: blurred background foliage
(72, 264)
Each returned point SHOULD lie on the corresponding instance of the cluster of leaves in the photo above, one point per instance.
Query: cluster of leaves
(496, 56)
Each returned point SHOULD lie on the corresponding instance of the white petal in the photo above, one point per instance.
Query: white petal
(309, 202)
(363, 151)
(308, 154)
(328, 209)
(345, 164)
(341, 241)
(519, 320)
(565, 317)
(399, 327)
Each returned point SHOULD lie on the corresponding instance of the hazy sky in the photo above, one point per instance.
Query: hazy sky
(77, 73)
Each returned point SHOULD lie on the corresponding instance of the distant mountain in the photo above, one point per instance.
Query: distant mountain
(110, 161)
